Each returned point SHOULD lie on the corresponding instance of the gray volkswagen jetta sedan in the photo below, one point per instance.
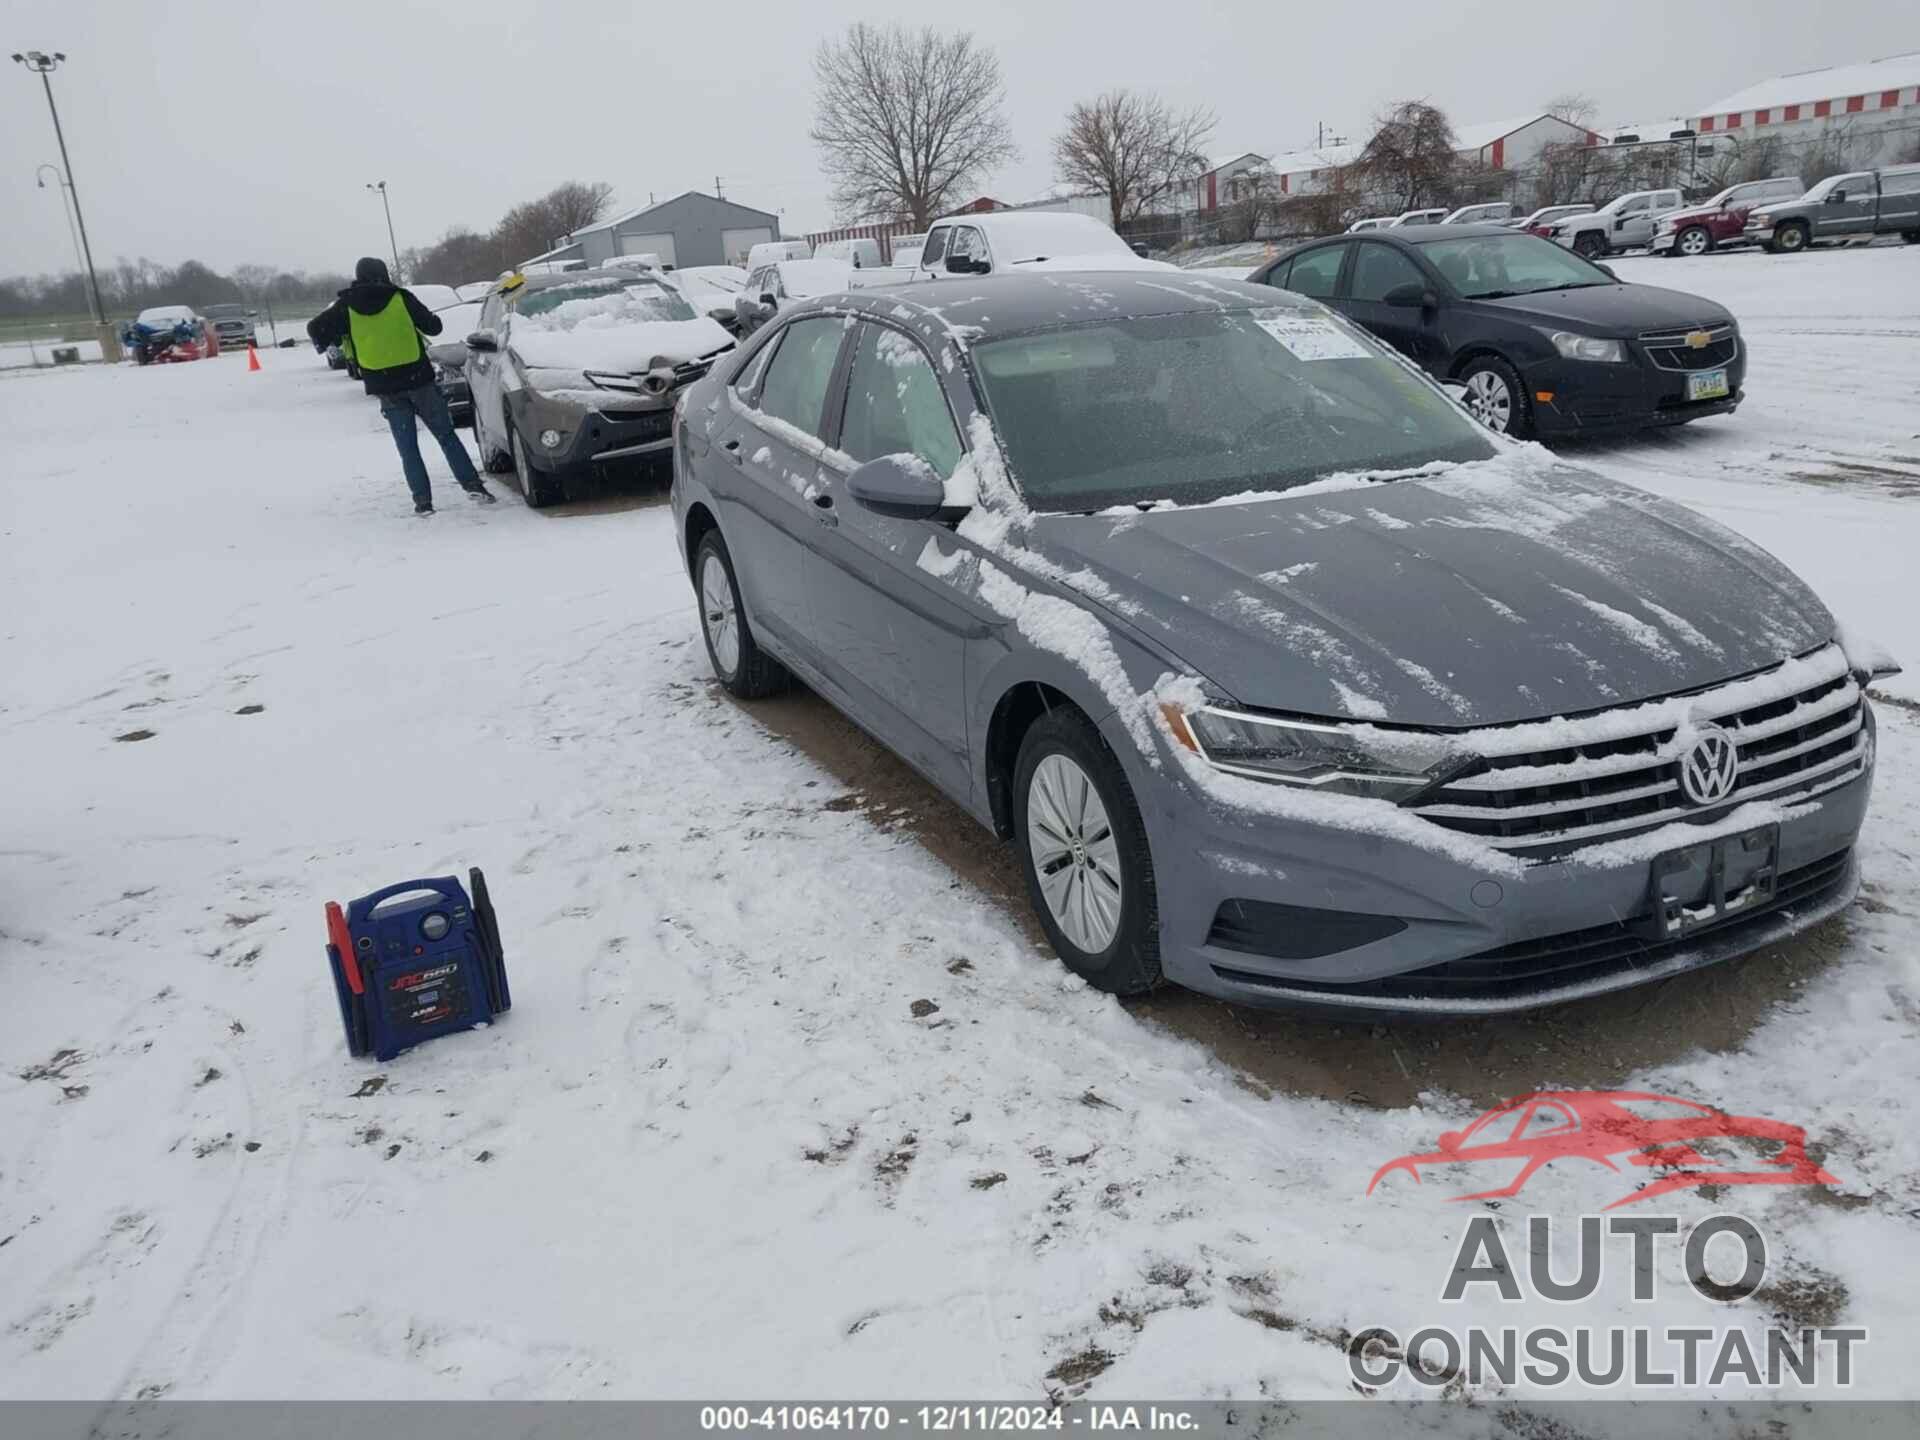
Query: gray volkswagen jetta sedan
(1289, 682)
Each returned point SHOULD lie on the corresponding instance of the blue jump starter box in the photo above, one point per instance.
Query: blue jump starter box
(415, 961)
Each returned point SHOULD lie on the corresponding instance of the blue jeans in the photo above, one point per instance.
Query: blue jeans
(428, 404)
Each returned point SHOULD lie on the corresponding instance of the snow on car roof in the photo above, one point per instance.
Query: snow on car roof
(999, 305)
(1027, 235)
(804, 278)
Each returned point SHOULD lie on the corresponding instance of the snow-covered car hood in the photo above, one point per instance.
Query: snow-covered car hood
(1487, 594)
(624, 348)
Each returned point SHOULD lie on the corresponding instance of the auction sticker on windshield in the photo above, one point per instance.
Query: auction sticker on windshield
(1310, 338)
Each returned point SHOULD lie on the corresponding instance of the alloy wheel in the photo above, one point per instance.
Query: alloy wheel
(1694, 242)
(1075, 855)
(1490, 400)
(718, 615)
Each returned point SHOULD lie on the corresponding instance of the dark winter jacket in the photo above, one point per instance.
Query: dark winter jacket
(329, 327)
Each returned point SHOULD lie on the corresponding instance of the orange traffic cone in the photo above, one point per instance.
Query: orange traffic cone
(253, 358)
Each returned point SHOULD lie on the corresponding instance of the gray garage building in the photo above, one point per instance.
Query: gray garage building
(690, 229)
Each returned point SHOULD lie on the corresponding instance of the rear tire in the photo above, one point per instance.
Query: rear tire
(538, 487)
(1791, 239)
(737, 659)
(1495, 396)
(1083, 849)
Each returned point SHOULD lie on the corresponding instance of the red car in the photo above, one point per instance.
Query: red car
(1657, 1132)
(1721, 220)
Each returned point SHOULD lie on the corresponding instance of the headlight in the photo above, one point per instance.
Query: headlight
(1586, 347)
(1342, 759)
(1759, 217)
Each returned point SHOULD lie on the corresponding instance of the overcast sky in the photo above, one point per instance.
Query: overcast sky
(246, 132)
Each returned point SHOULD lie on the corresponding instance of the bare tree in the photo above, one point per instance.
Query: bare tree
(576, 204)
(907, 120)
(1575, 106)
(535, 226)
(1133, 148)
(1411, 159)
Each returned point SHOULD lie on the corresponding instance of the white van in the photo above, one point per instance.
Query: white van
(767, 252)
(862, 254)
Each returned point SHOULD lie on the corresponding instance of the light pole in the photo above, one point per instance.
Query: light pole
(392, 244)
(44, 65)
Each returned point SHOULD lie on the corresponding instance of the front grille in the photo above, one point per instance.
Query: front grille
(1542, 801)
(1575, 957)
(1669, 350)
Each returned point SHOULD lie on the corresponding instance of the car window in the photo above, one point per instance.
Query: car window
(968, 241)
(1634, 207)
(1660, 1107)
(1495, 1126)
(749, 375)
(1851, 183)
(895, 404)
(797, 375)
(935, 249)
(1900, 182)
(1378, 268)
(1315, 272)
(490, 312)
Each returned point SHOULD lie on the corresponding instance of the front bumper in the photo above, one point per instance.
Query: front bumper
(1758, 234)
(1470, 940)
(588, 435)
(1633, 395)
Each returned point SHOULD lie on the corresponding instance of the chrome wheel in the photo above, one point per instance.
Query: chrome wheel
(1694, 242)
(1791, 237)
(1490, 400)
(1075, 857)
(718, 615)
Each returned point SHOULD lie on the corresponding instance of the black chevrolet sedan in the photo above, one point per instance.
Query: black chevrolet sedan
(1545, 342)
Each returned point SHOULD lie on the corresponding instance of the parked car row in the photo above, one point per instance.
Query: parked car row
(1401, 745)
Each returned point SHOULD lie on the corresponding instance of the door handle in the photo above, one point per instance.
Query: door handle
(823, 510)
(732, 447)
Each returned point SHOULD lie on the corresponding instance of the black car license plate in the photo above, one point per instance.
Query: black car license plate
(1701, 885)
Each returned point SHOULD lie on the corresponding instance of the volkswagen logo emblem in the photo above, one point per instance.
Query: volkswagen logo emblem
(1709, 767)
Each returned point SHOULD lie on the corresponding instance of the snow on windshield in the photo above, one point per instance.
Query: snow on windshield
(620, 325)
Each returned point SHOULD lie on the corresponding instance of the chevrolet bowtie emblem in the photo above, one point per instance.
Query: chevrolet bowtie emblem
(1698, 339)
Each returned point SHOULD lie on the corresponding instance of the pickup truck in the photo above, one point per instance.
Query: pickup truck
(1624, 224)
(1858, 205)
(1723, 219)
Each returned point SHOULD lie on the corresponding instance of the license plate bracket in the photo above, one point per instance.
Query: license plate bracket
(1705, 884)
(1707, 385)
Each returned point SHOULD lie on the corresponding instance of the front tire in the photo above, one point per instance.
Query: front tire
(538, 487)
(1495, 396)
(1083, 849)
(1791, 239)
(737, 659)
(1694, 240)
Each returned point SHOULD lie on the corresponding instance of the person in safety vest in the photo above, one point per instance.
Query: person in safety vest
(385, 324)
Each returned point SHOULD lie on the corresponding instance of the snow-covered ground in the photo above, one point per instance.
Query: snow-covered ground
(720, 1147)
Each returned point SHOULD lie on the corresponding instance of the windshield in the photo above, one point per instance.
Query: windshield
(1489, 267)
(603, 303)
(1194, 407)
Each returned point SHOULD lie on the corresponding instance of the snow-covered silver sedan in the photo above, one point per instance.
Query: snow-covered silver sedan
(1288, 681)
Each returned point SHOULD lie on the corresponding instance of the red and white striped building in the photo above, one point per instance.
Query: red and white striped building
(1876, 95)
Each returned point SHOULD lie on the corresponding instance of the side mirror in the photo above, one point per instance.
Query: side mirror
(903, 486)
(1410, 295)
(1140, 249)
(484, 342)
(966, 265)
(1837, 197)
(1606, 270)
(768, 303)
(1455, 389)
